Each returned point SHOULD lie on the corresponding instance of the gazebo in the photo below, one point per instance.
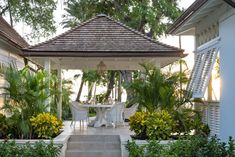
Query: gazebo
(101, 40)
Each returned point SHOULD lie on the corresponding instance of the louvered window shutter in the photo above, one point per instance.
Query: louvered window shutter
(214, 118)
(201, 73)
(210, 116)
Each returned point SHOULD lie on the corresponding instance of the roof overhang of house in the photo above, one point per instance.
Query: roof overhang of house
(185, 24)
(9, 34)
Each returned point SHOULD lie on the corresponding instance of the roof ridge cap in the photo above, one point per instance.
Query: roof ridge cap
(141, 34)
(64, 33)
(101, 15)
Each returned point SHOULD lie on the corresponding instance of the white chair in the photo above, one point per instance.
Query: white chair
(128, 112)
(79, 113)
(114, 115)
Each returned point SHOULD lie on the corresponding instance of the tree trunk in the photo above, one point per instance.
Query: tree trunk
(90, 89)
(110, 85)
(10, 15)
(80, 91)
(119, 87)
(127, 77)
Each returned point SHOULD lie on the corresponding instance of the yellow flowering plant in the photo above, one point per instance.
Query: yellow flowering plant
(46, 125)
(138, 124)
(159, 125)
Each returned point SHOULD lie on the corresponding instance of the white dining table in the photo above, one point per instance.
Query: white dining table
(101, 110)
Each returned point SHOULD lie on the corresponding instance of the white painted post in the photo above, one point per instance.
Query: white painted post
(47, 66)
(59, 104)
(227, 73)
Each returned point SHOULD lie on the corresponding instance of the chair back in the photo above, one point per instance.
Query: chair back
(128, 112)
(117, 112)
(78, 112)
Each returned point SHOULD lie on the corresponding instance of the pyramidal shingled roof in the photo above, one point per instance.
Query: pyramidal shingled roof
(102, 36)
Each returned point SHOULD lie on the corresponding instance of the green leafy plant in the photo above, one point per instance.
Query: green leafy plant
(138, 124)
(188, 119)
(156, 90)
(3, 126)
(10, 149)
(215, 148)
(231, 147)
(134, 149)
(196, 146)
(27, 93)
(46, 125)
(147, 89)
(154, 149)
(159, 125)
(187, 147)
(66, 93)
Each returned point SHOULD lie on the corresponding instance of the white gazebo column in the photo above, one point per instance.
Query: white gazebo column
(47, 66)
(59, 104)
(227, 73)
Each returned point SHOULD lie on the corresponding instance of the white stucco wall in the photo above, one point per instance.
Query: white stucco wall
(7, 56)
(227, 66)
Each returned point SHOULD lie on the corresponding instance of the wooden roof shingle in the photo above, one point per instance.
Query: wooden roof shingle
(10, 35)
(102, 36)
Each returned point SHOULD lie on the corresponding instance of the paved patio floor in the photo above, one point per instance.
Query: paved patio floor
(84, 130)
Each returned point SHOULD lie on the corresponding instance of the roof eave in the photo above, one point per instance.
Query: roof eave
(179, 53)
(185, 16)
(13, 43)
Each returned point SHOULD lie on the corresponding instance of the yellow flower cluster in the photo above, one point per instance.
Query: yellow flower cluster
(46, 125)
(138, 123)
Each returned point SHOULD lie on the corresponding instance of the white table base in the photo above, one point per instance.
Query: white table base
(100, 119)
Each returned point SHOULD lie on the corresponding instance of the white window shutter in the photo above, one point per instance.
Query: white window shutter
(211, 116)
(214, 118)
(201, 73)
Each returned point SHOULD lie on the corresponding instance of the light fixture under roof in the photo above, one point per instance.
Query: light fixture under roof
(101, 68)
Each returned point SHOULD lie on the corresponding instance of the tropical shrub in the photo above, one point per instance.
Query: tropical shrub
(11, 149)
(190, 147)
(138, 124)
(27, 93)
(186, 120)
(66, 92)
(156, 90)
(3, 126)
(231, 147)
(46, 125)
(159, 125)
(198, 147)
(147, 90)
(134, 149)
(154, 149)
